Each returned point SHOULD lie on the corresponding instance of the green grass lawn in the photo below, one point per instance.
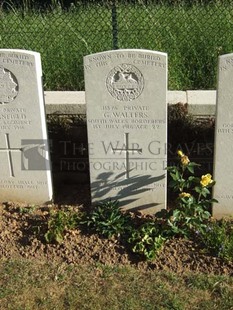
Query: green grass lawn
(193, 37)
(35, 285)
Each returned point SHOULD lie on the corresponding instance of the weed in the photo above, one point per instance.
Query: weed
(59, 222)
(27, 210)
(107, 220)
(218, 238)
(146, 240)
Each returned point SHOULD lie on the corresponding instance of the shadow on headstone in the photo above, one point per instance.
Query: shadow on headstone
(127, 191)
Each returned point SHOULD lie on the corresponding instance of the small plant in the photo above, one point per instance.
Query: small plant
(147, 240)
(108, 220)
(192, 211)
(28, 209)
(59, 222)
(218, 238)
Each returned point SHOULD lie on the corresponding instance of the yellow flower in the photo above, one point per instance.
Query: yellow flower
(184, 160)
(183, 195)
(180, 153)
(206, 180)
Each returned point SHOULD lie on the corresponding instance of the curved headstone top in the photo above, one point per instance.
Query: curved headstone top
(24, 155)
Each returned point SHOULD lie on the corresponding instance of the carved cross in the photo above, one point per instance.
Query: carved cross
(127, 151)
(9, 151)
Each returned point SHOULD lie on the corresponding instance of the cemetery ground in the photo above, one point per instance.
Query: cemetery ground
(83, 270)
(87, 271)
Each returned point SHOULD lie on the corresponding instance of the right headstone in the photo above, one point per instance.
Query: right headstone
(223, 158)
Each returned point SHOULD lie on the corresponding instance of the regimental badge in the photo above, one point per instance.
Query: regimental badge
(125, 82)
(8, 86)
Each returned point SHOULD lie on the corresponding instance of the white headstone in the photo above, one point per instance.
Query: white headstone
(24, 157)
(127, 127)
(223, 158)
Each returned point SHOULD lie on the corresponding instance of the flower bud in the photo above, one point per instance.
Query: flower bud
(180, 153)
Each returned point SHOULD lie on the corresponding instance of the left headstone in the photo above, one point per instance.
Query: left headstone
(24, 156)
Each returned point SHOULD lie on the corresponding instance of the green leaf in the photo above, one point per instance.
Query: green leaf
(176, 213)
(205, 191)
(198, 189)
(175, 176)
(190, 169)
(193, 164)
(191, 178)
(171, 168)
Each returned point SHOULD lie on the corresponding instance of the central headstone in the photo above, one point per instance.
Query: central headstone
(223, 159)
(127, 127)
(24, 158)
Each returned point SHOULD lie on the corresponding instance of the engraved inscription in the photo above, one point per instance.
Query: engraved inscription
(126, 117)
(8, 86)
(21, 184)
(125, 82)
(13, 118)
(225, 128)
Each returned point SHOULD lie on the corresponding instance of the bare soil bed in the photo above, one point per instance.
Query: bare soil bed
(22, 230)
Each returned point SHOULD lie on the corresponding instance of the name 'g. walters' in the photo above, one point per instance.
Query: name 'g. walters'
(126, 114)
